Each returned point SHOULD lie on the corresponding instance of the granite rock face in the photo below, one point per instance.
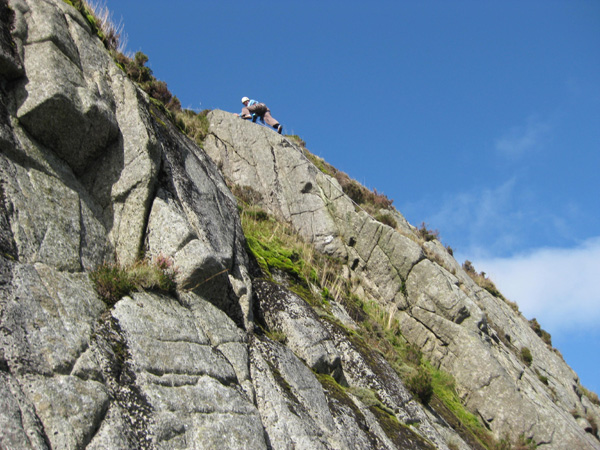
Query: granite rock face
(459, 326)
(92, 173)
(89, 174)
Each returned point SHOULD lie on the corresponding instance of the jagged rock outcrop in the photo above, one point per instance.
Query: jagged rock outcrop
(460, 327)
(92, 173)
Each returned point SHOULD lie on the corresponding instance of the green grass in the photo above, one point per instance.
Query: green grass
(444, 388)
(274, 256)
(526, 356)
(277, 247)
(194, 125)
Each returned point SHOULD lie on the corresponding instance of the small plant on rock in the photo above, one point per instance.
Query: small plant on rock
(484, 282)
(386, 219)
(526, 356)
(194, 125)
(277, 336)
(426, 234)
(535, 326)
(112, 282)
(524, 443)
(420, 385)
(115, 281)
(592, 396)
(542, 378)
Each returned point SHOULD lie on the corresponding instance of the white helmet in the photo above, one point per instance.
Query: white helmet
(245, 99)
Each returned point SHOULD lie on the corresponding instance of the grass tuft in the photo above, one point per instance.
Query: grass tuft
(386, 219)
(484, 282)
(592, 396)
(114, 281)
(420, 385)
(535, 326)
(526, 356)
(426, 234)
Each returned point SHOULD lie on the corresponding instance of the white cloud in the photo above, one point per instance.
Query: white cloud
(494, 217)
(501, 220)
(558, 286)
(521, 140)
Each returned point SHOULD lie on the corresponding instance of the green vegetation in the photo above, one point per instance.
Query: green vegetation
(523, 443)
(420, 385)
(592, 396)
(387, 219)
(426, 234)
(542, 378)
(535, 326)
(366, 396)
(401, 435)
(114, 281)
(276, 335)
(99, 20)
(193, 124)
(278, 249)
(380, 332)
(137, 71)
(526, 356)
(444, 388)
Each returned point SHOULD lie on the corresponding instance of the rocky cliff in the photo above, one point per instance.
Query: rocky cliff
(92, 173)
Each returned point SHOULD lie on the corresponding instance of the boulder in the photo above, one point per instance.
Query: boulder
(290, 315)
(192, 388)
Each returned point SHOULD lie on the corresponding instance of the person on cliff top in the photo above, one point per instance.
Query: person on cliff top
(256, 110)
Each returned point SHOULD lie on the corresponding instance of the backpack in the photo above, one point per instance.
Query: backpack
(258, 108)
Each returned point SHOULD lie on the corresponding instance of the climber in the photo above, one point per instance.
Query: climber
(255, 110)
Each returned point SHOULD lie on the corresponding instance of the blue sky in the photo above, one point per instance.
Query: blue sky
(480, 118)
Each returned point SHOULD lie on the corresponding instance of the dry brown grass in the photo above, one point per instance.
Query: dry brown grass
(484, 282)
(114, 37)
